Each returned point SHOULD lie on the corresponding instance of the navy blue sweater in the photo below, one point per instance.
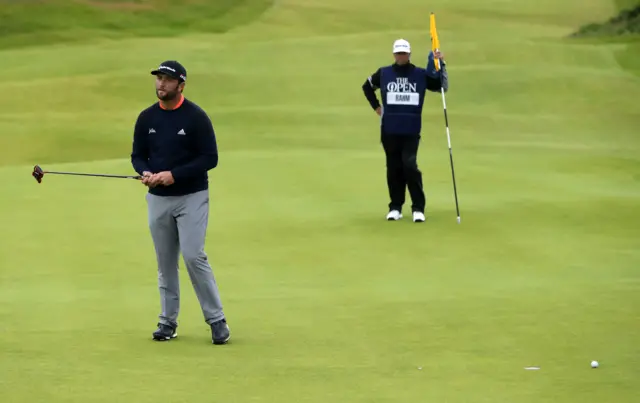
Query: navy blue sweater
(434, 79)
(181, 141)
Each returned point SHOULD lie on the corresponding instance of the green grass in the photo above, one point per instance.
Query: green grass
(327, 301)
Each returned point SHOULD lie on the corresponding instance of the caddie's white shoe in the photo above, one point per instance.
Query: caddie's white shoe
(418, 216)
(394, 215)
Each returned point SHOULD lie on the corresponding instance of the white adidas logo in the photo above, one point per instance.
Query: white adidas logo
(181, 132)
(151, 131)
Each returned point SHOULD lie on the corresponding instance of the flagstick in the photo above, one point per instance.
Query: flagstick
(435, 45)
(453, 175)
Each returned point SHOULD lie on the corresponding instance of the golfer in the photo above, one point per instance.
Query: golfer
(174, 146)
(402, 86)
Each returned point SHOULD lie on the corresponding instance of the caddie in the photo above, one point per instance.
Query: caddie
(402, 86)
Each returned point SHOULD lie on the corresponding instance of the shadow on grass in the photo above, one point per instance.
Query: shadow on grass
(28, 23)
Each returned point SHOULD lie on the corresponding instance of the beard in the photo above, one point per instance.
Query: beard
(168, 96)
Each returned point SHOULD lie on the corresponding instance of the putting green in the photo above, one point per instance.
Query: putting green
(325, 299)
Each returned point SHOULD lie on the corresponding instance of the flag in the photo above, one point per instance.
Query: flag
(435, 43)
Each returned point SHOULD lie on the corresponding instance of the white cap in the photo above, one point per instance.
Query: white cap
(401, 46)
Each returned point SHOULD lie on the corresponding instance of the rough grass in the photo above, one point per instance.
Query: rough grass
(626, 23)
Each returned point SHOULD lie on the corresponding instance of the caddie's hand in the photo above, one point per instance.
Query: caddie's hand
(379, 111)
(438, 54)
(164, 178)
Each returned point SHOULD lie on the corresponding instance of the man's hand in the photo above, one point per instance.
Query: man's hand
(164, 178)
(379, 111)
(438, 55)
(146, 179)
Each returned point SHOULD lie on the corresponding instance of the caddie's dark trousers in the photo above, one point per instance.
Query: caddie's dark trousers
(402, 171)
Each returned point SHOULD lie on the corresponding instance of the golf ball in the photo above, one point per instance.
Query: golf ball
(594, 364)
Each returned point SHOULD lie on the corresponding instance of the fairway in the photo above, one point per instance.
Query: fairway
(326, 301)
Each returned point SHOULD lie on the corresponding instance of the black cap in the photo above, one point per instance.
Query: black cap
(172, 68)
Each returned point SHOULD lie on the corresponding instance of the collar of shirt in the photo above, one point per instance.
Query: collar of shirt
(402, 67)
(179, 104)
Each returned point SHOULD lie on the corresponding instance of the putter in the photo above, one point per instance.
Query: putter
(38, 174)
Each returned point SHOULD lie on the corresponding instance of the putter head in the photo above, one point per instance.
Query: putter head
(37, 173)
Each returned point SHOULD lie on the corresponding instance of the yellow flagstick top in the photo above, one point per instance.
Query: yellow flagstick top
(435, 43)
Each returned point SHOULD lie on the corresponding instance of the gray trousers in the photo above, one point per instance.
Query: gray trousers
(179, 224)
